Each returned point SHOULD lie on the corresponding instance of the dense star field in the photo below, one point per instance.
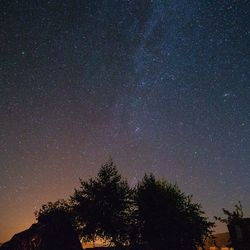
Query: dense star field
(161, 86)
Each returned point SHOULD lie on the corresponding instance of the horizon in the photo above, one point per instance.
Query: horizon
(220, 228)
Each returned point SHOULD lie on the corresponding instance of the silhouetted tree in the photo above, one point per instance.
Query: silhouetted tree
(232, 217)
(169, 218)
(238, 227)
(102, 206)
(55, 212)
(155, 213)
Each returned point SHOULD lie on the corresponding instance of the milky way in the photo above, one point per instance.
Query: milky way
(161, 86)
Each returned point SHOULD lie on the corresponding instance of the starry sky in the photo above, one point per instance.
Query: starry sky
(161, 86)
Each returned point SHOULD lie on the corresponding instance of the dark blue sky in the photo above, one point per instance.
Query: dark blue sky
(161, 86)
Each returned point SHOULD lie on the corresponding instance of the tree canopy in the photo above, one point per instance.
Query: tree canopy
(170, 219)
(102, 206)
(154, 213)
(55, 211)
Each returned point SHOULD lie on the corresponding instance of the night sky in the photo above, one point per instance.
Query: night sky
(161, 86)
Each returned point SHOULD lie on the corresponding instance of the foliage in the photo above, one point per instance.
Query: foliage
(169, 218)
(103, 206)
(232, 217)
(155, 213)
(55, 212)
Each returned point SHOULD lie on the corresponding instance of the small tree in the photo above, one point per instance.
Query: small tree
(55, 212)
(169, 218)
(238, 227)
(233, 216)
(102, 206)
